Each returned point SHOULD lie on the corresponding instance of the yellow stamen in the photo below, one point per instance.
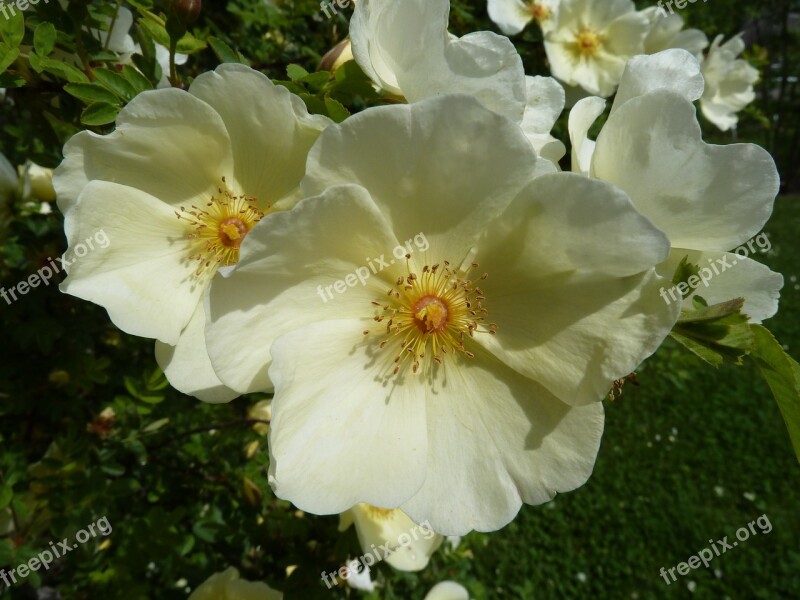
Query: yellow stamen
(587, 43)
(219, 228)
(430, 315)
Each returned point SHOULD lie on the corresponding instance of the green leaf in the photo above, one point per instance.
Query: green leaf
(156, 27)
(6, 494)
(59, 69)
(716, 333)
(316, 81)
(224, 52)
(336, 110)
(44, 38)
(8, 56)
(156, 425)
(91, 93)
(296, 72)
(101, 113)
(12, 29)
(683, 272)
(116, 83)
(136, 79)
(782, 374)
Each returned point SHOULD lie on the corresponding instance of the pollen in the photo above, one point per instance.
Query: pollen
(539, 11)
(587, 43)
(429, 315)
(218, 228)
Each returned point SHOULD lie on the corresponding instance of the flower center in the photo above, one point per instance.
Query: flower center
(539, 11)
(587, 43)
(430, 315)
(219, 228)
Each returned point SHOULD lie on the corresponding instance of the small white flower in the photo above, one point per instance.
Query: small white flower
(448, 590)
(581, 577)
(749, 496)
(512, 16)
(591, 41)
(719, 490)
(691, 586)
(729, 82)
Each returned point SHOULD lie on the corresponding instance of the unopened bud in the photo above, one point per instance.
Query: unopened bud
(336, 56)
(187, 10)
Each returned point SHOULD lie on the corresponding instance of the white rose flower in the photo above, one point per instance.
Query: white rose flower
(462, 395)
(448, 590)
(412, 545)
(729, 82)
(666, 32)
(482, 64)
(176, 187)
(512, 16)
(228, 586)
(591, 41)
(708, 199)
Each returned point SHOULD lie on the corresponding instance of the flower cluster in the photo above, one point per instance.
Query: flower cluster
(465, 379)
(588, 44)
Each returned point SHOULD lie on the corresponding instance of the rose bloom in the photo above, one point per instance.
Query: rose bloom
(708, 199)
(729, 82)
(176, 188)
(591, 41)
(466, 379)
(512, 16)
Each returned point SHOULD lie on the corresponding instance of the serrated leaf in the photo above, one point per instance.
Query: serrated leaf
(7, 56)
(315, 105)
(44, 38)
(60, 69)
(99, 114)
(336, 110)
(12, 29)
(115, 83)
(782, 374)
(296, 72)
(224, 53)
(139, 82)
(316, 81)
(91, 93)
(716, 333)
